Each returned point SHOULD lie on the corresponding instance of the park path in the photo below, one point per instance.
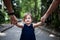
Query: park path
(14, 33)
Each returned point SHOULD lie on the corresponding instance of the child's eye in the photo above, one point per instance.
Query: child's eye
(28, 18)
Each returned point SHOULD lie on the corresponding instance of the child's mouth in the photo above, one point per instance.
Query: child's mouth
(27, 21)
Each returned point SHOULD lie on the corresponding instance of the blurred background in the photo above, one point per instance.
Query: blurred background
(36, 7)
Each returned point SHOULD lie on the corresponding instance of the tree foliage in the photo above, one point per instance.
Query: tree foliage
(36, 7)
(32, 6)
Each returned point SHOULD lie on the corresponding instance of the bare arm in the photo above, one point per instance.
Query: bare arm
(52, 7)
(37, 24)
(8, 5)
(15, 22)
(10, 10)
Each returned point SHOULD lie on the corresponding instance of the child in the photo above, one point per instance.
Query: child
(27, 27)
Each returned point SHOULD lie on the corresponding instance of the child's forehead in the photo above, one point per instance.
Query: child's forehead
(27, 16)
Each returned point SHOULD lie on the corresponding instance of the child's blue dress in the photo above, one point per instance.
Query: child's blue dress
(28, 33)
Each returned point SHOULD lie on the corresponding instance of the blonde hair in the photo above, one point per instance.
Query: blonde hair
(25, 15)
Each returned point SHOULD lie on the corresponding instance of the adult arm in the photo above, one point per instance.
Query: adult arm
(15, 21)
(52, 7)
(8, 5)
(13, 18)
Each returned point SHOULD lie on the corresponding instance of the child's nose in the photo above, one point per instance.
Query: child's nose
(27, 19)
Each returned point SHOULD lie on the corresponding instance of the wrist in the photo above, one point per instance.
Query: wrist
(45, 16)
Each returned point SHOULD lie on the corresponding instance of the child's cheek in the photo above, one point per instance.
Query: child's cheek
(25, 20)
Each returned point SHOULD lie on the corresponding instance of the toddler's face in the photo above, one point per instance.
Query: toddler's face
(28, 19)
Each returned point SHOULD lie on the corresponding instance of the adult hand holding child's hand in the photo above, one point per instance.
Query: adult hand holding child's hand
(43, 18)
(13, 19)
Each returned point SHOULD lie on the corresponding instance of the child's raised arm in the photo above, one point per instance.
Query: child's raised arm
(14, 21)
(37, 24)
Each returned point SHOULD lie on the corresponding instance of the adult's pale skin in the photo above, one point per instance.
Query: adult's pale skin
(51, 8)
